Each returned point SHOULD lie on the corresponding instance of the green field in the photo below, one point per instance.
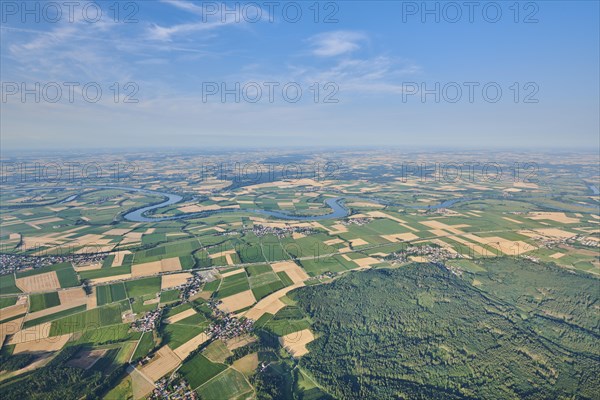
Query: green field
(8, 301)
(110, 293)
(146, 344)
(264, 290)
(7, 284)
(198, 369)
(42, 301)
(88, 320)
(177, 334)
(169, 296)
(142, 287)
(233, 284)
(231, 384)
(65, 272)
(108, 334)
(52, 317)
(217, 351)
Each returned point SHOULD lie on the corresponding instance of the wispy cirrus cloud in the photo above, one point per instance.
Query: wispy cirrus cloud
(330, 44)
(213, 15)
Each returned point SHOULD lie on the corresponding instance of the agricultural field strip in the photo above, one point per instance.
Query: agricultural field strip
(242, 265)
(219, 374)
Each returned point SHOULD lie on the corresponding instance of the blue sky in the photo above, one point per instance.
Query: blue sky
(373, 57)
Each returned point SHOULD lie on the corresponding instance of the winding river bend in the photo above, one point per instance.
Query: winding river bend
(338, 210)
(336, 204)
(143, 214)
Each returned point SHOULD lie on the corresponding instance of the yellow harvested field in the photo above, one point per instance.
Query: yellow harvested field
(43, 221)
(438, 232)
(156, 267)
(222, 254)
(293, 270)
(72, 297)
(365, 262)
(295, 343)
(365, 204)
(380, 214)
(237, 301)
(435, 224)
(185, 349)
(117, 232)
(132, 237)
(405, 237)
(556, 256)
(119, 256)
(13, 311)
(239, 341)
(39, 283)
(527, 185)
(230, 273)
(418, 259)
(92, 300)
(180, 316)
(553, 216)
(10, 327)
(512, 220)
(151, 301)
(68, 299)
(174, 280)
(54, 343)
(505, 246)
(470, 246)
(31, 334)
(359, 242)
(444, 245)
(170, 264)
(164, 361)
(270, 304)
(146, 269)
(333, 241)
(337, 228)
(110, 279)
(555, 233)
(90, 267)
(141, 385)
(247, 364)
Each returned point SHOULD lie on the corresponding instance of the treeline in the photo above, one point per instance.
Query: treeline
(57, 381)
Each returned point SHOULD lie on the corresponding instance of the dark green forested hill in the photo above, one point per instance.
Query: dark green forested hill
(423, 332)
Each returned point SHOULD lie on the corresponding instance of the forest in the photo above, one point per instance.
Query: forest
(421, 331)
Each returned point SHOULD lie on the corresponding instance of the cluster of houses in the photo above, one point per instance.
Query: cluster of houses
(357, 221)
(433, 254)
(191, 287)
(10, 263)
(148, 322)
(173, 388)
(260, 230)
(226, 326)
(555, 242)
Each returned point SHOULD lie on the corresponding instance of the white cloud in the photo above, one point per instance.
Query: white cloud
(336, 43)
